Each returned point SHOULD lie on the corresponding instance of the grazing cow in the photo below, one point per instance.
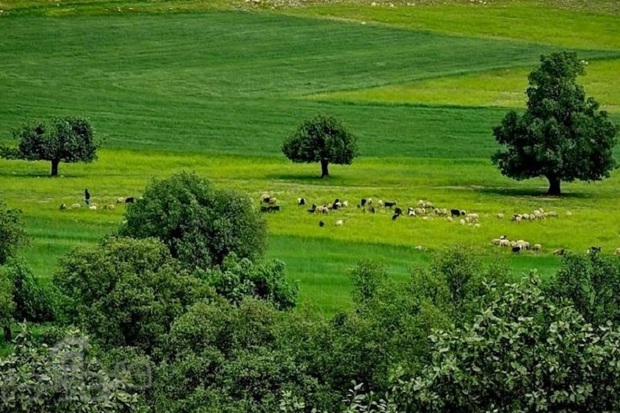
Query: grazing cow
(301, 201)
(264, 208)
(363, 202)
(395, 216)
(336, 204)
(516, 249)
(398, 211)
(372, 209)
(63, 206)
(321, 224)
(312, 209)
(456, 212)
(389, 204)
(130, 200)
(593, 250)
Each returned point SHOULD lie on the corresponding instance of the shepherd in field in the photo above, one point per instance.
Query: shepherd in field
(87, 196)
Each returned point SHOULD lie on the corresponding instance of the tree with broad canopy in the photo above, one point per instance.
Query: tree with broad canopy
(321, 139)
(562, 136)
(68, 139)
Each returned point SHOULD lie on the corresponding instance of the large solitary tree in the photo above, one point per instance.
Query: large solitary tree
(321, 139)
(562, 136)
(68, 139)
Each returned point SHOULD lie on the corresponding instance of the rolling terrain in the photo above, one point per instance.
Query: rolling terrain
(215, 87)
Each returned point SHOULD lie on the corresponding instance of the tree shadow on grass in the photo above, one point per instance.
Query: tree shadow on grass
(35, 174)
(540, 193)
(302, 178)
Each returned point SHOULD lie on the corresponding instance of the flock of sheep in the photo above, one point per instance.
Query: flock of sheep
(426, 210)
(94, 206)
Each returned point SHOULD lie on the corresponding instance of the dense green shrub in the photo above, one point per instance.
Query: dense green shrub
(64, 378)
(198, 223)
(238, 278)
(592, 285)
(12, 232)
(127, 292)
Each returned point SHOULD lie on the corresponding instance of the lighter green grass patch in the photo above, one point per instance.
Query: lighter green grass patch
(532, 21)
(498, 88)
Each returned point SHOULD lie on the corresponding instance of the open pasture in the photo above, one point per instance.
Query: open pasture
(217, 91)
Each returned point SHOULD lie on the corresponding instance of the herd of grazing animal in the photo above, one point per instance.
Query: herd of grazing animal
(94, 206)
(426, 210)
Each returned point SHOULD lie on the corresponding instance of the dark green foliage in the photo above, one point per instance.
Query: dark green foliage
(562, 136)
(127, 292)
(68, 139)
(220, 358)
(199, 224)
(64, 378)
(12, 232)
(7, 306)
(33, 301)
(321, 139)
(367, 276)
(521, 353)
(592, 285)
(238, 278)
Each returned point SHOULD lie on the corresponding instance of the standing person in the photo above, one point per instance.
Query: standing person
(87, 196)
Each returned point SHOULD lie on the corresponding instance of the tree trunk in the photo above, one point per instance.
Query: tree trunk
(554, 186)
(324, 171)
(8, 335)
(55, 163)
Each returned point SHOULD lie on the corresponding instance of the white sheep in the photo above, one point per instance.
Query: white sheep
(120, 200)
(537, 248)
(339, 222)
(345, 204)
(76, 205)
(617, 251)
(93, 207)
(500, 216)
(462, 222)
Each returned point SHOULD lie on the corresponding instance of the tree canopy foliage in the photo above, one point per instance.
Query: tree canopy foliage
(562, 136)
(127, 292)
(68, 139)
(200, 225)
(321, 139)
(237, 279)
(12, 232)
(64, 378)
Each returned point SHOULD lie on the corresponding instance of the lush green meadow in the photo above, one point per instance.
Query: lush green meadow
(214, 88)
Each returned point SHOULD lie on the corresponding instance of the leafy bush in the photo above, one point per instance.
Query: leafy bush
(12, 232)
(238, 278)
(521, 353)
(199, 224)
(33, 302)
(64, 379)
(592, 285)
(127, 292)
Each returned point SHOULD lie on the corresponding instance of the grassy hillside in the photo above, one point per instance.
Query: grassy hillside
(216, 91)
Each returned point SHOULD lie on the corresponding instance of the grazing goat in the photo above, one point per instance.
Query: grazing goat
(130, 200)
(389, 204)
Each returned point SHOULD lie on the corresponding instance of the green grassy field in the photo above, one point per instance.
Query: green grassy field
(214, 88)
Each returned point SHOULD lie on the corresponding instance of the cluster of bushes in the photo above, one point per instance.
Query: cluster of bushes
(179, 312)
